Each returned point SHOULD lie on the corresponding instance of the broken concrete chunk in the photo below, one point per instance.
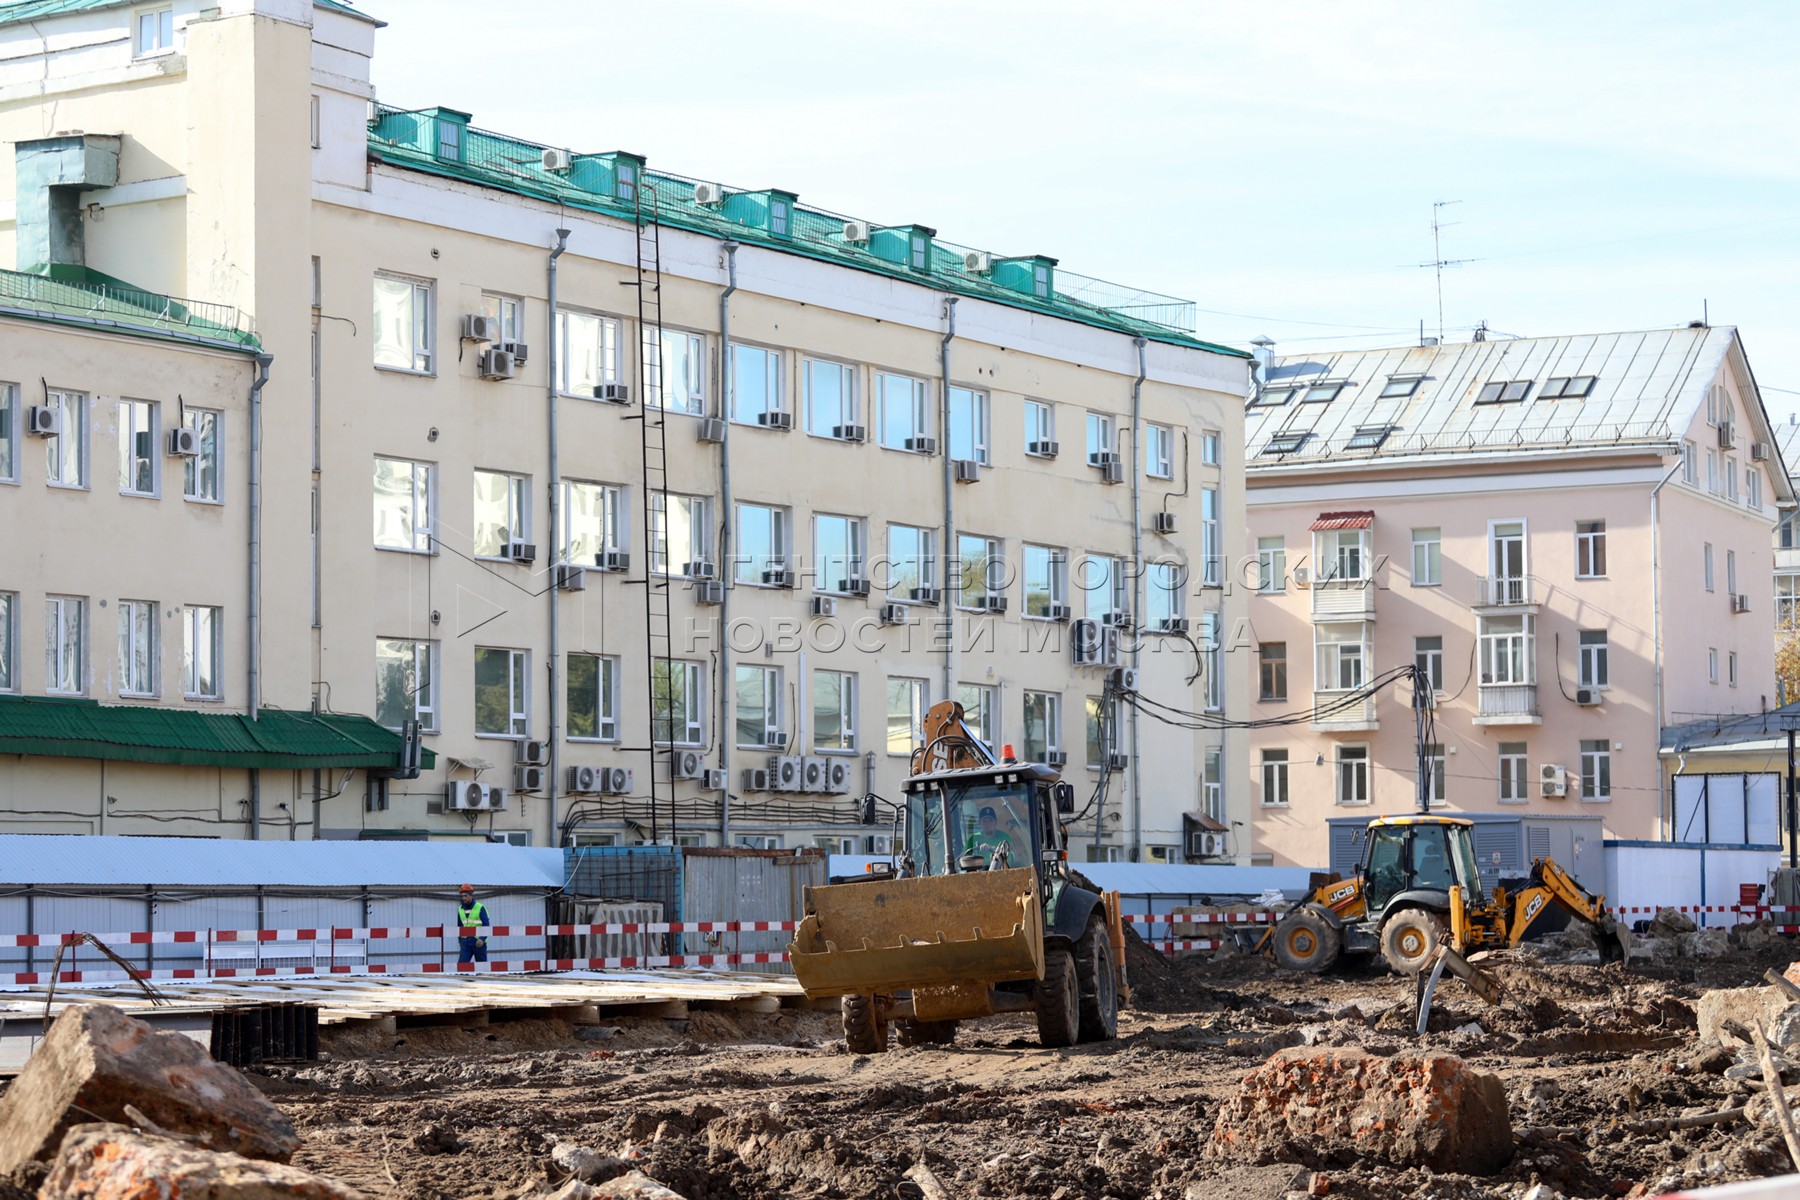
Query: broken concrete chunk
(101, 1162)
(1708, 943)
(1322, 1107)
(590, 1166)
(634, 1185)
(1784, 1029)
(96, 1060)
(1667, 921)
(1747, 1006)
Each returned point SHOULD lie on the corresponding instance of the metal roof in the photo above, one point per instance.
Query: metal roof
(82, 296)
(32, 10)
(94, 861)
(1343, 520)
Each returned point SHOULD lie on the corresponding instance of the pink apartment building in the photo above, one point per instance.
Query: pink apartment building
(1569, 536)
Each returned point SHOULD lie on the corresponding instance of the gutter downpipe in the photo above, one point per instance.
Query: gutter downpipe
(726, 570)
(1137, 559)
(948, 553)
(1656, 624)
(555, 593)
(253, 610)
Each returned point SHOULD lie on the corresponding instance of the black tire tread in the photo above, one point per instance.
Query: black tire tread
(864, 1030)
(1058, 1000)
(1098, 984)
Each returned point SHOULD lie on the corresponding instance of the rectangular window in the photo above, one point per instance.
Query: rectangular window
(1731, 669)
(1787, 601)
(1102, 730)
(911, 561)
(1046, 580)
(593, 698)
(405, 505)
(1706, 565)
(1514, 780)
(139, 454)
(506, 312)
(1043, 725)
(1399, 386)
(1275, 778)
(1712, 471)
(502, 692)
(1593, 658)
(1434, 773)
(589, 352)
(758, 706)
(677, 714)
(9, 641)
(978, 711)
(1590, 549)
(1689, 471)
(1342, 554)
(675, 372)
(837, 553)
(1731, 480)
(1159, 452)
(1040, 426)
(1596, 770)
(1427, 558)
(1099, 438)
(153, 32)
(1212, 784)
(1352, 774)
(1504, 392)
(981, 569)
(406, 681)
(65, 453)
(502, 506)
(1212, 558)
(593, 521)
(137, 648)
(200, 473)
(1321, 393)
(202, 653)
(1428, 657)
(1506, 561)
(1712, 664)
(969, 425)
(1508, 650)
(830, 396)
(1105, 581)
(1343, 656)
(1272, 671)
(9, 433)
(905, 411)
(678, 532)
(1271, 565)
(907, 700)
(403, 324)
(1165, 595)
(762, 543)
(1209, 448)
(65, 664)
(1753, 481)
(1731, 571)
(834, 711)
(1212, 648)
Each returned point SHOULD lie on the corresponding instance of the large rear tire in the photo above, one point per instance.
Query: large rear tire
(864, 1030)
(909, 1031)
(1099, 984)
(1057, 999)
(1306, 941)
(1410, 939)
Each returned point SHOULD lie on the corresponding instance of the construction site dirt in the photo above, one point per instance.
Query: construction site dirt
(1598, 1066)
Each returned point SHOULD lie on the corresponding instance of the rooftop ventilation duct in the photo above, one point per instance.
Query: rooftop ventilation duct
(51, 174)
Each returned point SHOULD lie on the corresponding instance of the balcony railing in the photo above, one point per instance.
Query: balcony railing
(1504, 591)
(1508, 704)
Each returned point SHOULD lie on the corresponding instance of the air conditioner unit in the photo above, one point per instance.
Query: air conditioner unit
(689, 764)
(1587, 696)
(925, 595)
(1301, 576)
(184, 442)
(1056, 758)
(775, 420)
(557, 160)
(1087, 640)
(1044, 449)
(812, 774)
(1727, 435)
(1056, 612)
(613, 560)
(1117, 619)
(1554, 779)
(850, 433)
(613, 393)
(992, 603)
(774, 737)
(519, 350)
(43, 421)
(756, 779)
(1103, 458)
(1204, 843)
(1163, 522)
(784, 772)
(465, 796)
(533, 752)
(496, 364)
(708, 194)
(822, 606)
(528, 778)
(922, 445)
(582, 779)
(856, 232)
(571, 577)
(615, 781)
(968, 471)
(1116, 760)
(712, 429)
(978, 262)
(1112, 472)
(854, 587)
(709, 593)
(713, 780)
(1172, 625)
(1124, 679)
(699, 568)
(1740, 603)
(893, 614)
(497, 797)
(1759, 452)
(477, 327)
(519, 552)
(1113, 648)
(778, 577)
(837, 777)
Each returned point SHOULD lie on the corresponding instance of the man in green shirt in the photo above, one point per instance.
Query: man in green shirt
(990, 839)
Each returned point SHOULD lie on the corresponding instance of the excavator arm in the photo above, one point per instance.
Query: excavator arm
(949, 743)
(1550, 884)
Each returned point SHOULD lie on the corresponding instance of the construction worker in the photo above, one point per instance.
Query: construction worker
(990, 839)
(471, 914)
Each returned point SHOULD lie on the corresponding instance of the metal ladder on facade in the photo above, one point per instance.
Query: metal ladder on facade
(653, 420)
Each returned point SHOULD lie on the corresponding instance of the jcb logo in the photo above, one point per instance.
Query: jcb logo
(1343, 893)
(1534, 908)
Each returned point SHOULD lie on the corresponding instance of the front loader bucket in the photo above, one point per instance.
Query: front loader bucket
(977, 928)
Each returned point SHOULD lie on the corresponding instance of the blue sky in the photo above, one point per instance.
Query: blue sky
(1618, 165)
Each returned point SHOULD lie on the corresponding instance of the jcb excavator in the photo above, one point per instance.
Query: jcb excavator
(979, 915)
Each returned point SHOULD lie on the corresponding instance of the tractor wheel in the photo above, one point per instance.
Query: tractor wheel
(1306, 941)
(1410, 939)
(1057, 999)
(912, 1032)
(864, 1030)
(1099, 984)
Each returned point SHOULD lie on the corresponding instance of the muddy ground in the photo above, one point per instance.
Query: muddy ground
(726, 1104)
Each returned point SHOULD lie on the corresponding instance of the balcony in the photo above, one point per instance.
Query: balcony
(1508, 704)
(1357, 717)
(1505, 594)
(1343, 600)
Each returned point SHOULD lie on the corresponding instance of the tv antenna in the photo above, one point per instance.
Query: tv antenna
(1438, 261)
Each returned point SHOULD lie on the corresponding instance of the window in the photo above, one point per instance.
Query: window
(1209, 448)
(1099, 438)
(1753, 488)
(905, 411)
(1212, 561)
(1282, 444)
(507, 312)
(675, 372)
(759, 706)
(1712, 664)
(1508, 650)
(978, 710)
(1164, 595)
(1352, 774)
(1593, 658)
(1105, 581)
(1789, 530)
(834, 711)
(1567, 387)
(1787, 600)
(969, 425)
(1272, 671)
(502, 508)
(1731, 480)
(1040, 426)
(762, 543)
(9, 433)
(1102, 730)
(1275, 778)
(1596, 771)
(1343, 656)
(1706, 564)
(449, 139)
(1427, 558)
(593, 686)
(1513, 778)
(1428, 657)
(403, 322)
(1343, 555)
(677, 714)
(1159, 452)
(154, 32)
(1731, 669)
(1271, 564)
(200, 473)
(837, 552)
(911, 563)
(66, 452)
(678, 532)
(1046, 581)
(830, 397)
(592, 521)
(1043, 725)
(779, 215)
(65, 668)
(1212, 647)
(589, 353)
(1712, 471)
(1272, 396)
(1434, 773)
(405, 505)
(981, 569)
(1590, 549)
(139, 454)
(1321, 393)
(1731, 571)
(9, 641)
(1504, 392)
(1368, 437)
(406, 682)
(1689, 471)
(202, 653)
(1506, 561)
(1212, 784)
(1399, 386)
(137, 648)
(1712, 405)
(502, 692)
(907, 700)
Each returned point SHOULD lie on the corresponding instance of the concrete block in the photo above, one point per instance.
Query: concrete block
(109, 1162)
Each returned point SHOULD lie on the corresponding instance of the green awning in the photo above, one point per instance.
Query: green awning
(278, 739)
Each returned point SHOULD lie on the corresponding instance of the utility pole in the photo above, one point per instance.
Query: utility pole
(1438, 261)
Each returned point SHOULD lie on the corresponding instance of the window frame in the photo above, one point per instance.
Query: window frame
(1054, 561)
(1430, 659)
(129, 628)
(1101, 716)
(917, 408)
(1706, 564)
(855, 557)
(992, 561)
(10, 413)
(773, 377)
(1271, 565)
(1271, 672)
(1350, 764)
(1273, 767)
(1114, 587)
(75, 432)
(848, 403)
(164, 15)
(845, 712)
(1429, 573)
(748, 570)
(692, 389)
(693, 712)
(518, 693)
(1051, 716)
(1513, 766)
(985, 710)
(607, 354)
(772, 734)
(423, 484)
(1590, 549)
(1165, 594)
(1504, 391)
(518, 515)
(1596, 770)
(918, 693)
(1504, 646)
(662, 560)
(1592, 651)
(925, 558)
(1332, 664)
(1102, 437)
(977, 418)
(425, 704)
(65, 636)
(128, 457)
(197, 420)
(193, 640)
(1212, 558)
(507, 312)
(607, 680)
(1159, 451)
(1690, 470)
(9, 642)
(420, 347)
(615, 521)
(1040, 425)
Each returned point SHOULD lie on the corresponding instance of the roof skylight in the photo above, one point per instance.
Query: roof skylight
(1567, 387)
(1369, 437)
(1504, 392)
(1285, 443)
(1399, 386)
(1273, 396)
(1319, 393)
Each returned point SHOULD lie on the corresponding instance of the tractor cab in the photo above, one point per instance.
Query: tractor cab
(1415, 857)
(985, 818)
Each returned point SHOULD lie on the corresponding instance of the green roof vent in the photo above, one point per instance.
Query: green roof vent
(1034, 275)
(908, 245)
(441, 132)
(770, 210)
(616, 174)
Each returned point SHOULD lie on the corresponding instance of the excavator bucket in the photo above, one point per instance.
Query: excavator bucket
(937, 931)
(1615, 939)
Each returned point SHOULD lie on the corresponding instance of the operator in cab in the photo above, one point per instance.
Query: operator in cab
(989, 839)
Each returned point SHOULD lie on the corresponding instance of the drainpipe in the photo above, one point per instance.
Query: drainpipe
(253, 622)
(947, 552)
(725, 571)
(1137, 558)
(555, 593)
(1656, 620)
